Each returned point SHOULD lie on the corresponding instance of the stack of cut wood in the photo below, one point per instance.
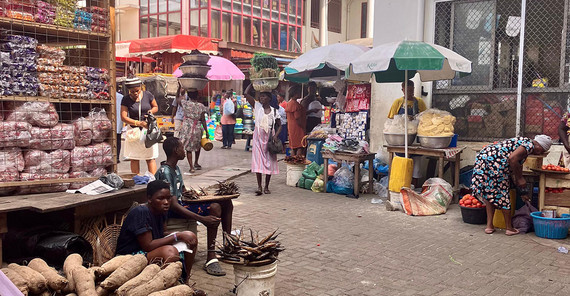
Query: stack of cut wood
(227, 188)
(237, 250)
(128, 275)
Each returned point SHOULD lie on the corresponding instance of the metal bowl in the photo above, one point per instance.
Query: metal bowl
(193, 83)
(201, 59)
(399, 139)
(435, 142)
(195, 70)
(265, 84)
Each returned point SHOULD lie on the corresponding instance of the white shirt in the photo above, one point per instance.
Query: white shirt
(262, 120)
(316, 105)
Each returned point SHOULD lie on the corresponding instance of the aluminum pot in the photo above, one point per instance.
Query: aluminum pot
(195, 70)
(399, 139)
(201, 59)
(435, 142)
(193, 83)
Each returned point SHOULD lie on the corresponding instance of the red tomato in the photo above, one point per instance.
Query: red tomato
(467, 202)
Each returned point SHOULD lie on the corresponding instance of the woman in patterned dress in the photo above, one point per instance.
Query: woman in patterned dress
(267, 125)
(193, 125)
(495, 166)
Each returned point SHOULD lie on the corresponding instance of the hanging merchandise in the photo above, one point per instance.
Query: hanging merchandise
(352, 125)
(358, 97)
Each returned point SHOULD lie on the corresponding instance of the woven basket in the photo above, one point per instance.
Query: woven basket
(265, 84)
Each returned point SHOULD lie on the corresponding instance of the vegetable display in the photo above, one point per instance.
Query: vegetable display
(555, 168)
(469, 201)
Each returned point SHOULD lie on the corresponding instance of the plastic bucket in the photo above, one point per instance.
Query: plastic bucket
(206, 144)
(474, 215)
(294, 173)
(255, 280)
(556, 228)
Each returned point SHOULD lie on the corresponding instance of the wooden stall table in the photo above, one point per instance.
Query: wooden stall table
(452, 155)
(350, 157)
(82, 206)
(553, 180)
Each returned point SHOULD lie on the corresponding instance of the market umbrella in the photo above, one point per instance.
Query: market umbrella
(323, 63)
(221, 69)
(397, 61)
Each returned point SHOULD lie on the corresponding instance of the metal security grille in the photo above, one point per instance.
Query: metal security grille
(489, 34)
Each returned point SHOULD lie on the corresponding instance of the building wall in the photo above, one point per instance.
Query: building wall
(127, 19)
(353, 22)
(350, 18)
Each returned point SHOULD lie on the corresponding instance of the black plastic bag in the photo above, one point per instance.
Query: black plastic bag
(522, 219)
(153, 134)
(113, 180)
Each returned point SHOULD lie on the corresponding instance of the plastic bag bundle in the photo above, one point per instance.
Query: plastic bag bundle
(60, 136)
(434, 199)
(344, 178)
(45, 13)
(88, 158)
(41, 162)
(83, 131)
(101, 125)
(18, 60)
(96, 173)
(42, 114)
(397, 125)
(98, 87)
(11, 164)
(15, 134)
(434, 122)
(43, 188)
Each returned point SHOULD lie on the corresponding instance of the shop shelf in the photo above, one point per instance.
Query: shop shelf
(53, 100)
(51, 30)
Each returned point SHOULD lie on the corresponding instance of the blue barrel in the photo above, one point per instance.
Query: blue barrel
(314, 147)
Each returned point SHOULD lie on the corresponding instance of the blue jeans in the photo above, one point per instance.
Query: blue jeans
(228, 134)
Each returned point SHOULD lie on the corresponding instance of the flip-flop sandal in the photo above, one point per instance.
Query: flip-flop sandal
(192, 171)
(197, 166)
(511, 233)
(266, 191)
(258, 192)
(213, 267)
(489, 230)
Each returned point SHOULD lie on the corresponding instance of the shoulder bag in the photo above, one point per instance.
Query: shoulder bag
(274, 146)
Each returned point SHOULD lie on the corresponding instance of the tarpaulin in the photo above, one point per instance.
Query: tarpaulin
(172, 44)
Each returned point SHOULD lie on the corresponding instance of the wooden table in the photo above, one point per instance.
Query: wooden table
(357, 159)
(439, 153)
(82, 206)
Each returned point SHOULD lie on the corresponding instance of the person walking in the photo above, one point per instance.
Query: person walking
(296, 120)
(228, 120)
(177, 112)
(193, 126)
(267, 125)
(134, 108)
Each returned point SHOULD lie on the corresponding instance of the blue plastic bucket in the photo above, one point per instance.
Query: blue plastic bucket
(556, 228)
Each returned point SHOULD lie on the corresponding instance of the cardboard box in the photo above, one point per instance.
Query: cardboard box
(532, 162)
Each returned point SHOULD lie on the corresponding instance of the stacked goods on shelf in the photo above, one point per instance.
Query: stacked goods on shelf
(45, 13)
(100, 20)
(98, 86)
(20, 9)
(18, 66)
(65, 13)
(264, 72)
(194, 70)
(83, 20)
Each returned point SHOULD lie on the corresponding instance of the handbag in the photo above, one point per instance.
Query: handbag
(134, 134)
(153, 135)
(274, 146)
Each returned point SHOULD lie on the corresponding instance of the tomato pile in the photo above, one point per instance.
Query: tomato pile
(551, 167)
(469, 201)
(553, 190)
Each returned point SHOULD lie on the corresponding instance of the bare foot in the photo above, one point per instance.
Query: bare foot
(266, 191)
(511, 232)
(489, 230)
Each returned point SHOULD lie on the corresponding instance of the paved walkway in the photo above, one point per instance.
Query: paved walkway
(342, 246)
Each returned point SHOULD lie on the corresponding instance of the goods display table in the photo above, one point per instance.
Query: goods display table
(558, 198)
(452, 155)
(356, 158)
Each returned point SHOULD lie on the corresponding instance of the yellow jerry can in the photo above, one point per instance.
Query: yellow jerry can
(498, 218)
(400, 173)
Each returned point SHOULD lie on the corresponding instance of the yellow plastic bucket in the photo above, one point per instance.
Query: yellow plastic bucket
(498, 218)
(206, 144)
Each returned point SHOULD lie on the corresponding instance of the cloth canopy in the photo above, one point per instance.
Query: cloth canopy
(172, 44)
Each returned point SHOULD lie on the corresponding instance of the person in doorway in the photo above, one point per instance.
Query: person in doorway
(313, 106)
(267, 125)
(228, 120)
(193, 126)
(283, 136)
(142, 231)
(495, 166)
(134, 108)
(209, 214)
(177, 111)
(564, 134)
(296, 120)
(415, 106)
(119, 99)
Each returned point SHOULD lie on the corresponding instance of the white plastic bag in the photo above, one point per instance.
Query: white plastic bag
(397, 125)
(344, 177)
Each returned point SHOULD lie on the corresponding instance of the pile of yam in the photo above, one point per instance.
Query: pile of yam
(127, 275)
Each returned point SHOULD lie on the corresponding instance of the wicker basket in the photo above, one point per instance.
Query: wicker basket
(265, 84)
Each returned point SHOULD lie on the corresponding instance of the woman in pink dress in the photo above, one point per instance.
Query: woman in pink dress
(267, 125)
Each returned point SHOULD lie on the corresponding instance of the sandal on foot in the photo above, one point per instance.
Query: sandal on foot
(192, 171)
(258, 192)
(489, 230)
(266, 191)
(213, 267)
(512, 232)
(198, 167)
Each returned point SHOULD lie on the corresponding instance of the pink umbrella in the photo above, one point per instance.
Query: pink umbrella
(221, 69)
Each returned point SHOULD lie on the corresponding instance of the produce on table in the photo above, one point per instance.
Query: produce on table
(127, 271)
(227, 188)
(36, 282)
(146, 275)
(112, 265)
(55, 281)
(20, 282)
(436, 123)
(469, 201)
(552, 167)
(164, 279)
(180, 290)
(255, 251)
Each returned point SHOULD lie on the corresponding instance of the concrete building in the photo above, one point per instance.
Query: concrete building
(520, 81)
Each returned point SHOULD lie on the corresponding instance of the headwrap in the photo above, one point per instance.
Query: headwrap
(133, 82)
(544, 141)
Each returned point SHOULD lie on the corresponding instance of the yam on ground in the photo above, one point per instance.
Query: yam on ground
(146, 275)
(71, 262)
(181, 290)
(36, 281)
(55, 281)
(127, 271)
(164, 279)
(84, 281)
(112, 265)
(16, 279)
(101, 291)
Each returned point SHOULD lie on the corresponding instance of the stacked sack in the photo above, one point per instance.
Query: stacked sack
(99, 18)
(83, 20)
(45, 12)
(65, 13)
(311, 175)
(18, 67)
(98, 86)
(57, 80)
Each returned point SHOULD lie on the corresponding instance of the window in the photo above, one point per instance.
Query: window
(334, 17)
(363, 19)
(159, 18)
(315, 13)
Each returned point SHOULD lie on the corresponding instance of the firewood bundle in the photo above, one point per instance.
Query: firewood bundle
(238, 250)
(192, 194)
(227, 188)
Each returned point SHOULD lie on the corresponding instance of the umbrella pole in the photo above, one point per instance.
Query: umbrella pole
(406, 112)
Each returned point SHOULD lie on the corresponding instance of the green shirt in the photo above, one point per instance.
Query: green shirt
(173, 177)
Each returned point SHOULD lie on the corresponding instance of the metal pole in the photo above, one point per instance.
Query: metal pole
(521, 60)
(406, 112)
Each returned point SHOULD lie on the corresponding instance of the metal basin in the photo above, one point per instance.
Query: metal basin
(201, 59)
(193, 83)
(399, 139)
(435, 142)
(195, 70)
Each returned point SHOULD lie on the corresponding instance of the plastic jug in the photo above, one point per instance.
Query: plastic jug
(400, 173)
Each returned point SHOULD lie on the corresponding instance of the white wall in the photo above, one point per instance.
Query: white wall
(353, 22)
(127, 20)
(311, 34)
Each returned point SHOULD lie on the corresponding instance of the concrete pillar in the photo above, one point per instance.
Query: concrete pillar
(185, 17)
(324, 26)
(370, 19)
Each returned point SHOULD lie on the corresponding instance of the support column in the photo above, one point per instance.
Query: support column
(185, 17)
(324, 26)
(370, 19)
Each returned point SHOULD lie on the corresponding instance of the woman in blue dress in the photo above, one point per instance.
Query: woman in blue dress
(495, 166)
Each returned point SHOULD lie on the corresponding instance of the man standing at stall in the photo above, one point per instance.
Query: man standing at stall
(415, 106)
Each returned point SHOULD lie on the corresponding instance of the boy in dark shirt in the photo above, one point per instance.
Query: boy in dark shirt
(209, 214)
